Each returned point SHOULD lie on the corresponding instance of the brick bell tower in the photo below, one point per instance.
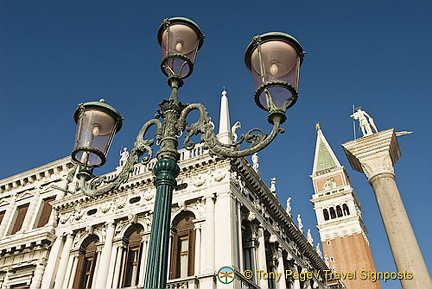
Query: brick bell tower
(343, 233)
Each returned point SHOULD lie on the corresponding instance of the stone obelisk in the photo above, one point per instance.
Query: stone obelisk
(375, 155)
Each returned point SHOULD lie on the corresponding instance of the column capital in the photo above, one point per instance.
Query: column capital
(374, 154)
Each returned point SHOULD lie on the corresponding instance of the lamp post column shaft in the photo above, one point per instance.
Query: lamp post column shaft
(165, 170)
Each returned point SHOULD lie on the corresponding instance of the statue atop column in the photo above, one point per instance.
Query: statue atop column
(366, 122)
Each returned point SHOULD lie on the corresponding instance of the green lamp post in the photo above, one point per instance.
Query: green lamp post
(274, 60)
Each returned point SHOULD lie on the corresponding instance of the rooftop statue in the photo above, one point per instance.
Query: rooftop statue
(366, 122)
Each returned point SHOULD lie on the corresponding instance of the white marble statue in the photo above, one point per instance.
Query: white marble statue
(211, 123)
(318, 250)
(255, 164)
(273, 185)
(288, 206)
(309, 237)
(366, 122)
(124, 156)
(236, 126)
(299, 223)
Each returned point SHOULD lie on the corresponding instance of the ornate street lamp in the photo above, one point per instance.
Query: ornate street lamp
(97, 122)
(273, 58)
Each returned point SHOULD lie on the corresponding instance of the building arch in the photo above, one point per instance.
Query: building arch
(332, 213)
(339, 211)
(133, 240)
(183, 245)
(326, 215)
(85, 271)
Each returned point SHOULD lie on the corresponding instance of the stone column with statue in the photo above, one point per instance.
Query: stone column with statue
(375, 155)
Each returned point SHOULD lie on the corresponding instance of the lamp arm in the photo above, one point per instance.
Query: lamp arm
(100, 185)
(256, 137)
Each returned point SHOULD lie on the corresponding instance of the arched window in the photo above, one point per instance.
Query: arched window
(326, 215)
(86, 263)
(183, 246)
(332, 213)
(345, 209)
(133, 256)
(339, 211)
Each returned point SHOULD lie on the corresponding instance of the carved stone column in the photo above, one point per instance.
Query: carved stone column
(296, 283)
(104, 265)
(52, 263)
(197, 269)
(375, 156)
(261, 257)
(117, 269)
(281, 269)
(37, 277)
(210, 235)
(61, 271)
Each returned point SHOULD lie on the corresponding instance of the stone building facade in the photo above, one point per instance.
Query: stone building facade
(52, 236)
(223, 215)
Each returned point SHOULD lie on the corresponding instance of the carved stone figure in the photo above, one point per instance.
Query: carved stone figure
(124, 156)
(318, 250)
(309, 236)
(273, 185)
(255, 164)
(366, 122)
(299, 223)
(236, 126)
(288, 206)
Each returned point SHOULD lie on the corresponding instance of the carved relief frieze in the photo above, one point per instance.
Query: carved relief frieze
(219, 175)
(198, 207)
(198, 181)
(149, 194)
(121, 227)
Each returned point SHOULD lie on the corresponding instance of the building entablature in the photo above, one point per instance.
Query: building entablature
(34, 178)
(38, 238)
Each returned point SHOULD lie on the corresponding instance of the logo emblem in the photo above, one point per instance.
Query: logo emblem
(226, 275)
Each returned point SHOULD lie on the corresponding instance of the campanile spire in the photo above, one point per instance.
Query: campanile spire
(343, 233)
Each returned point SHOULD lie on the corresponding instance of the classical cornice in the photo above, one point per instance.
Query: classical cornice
(27, 241)
(49, 172)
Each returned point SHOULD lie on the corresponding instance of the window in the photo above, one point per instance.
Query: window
(345, 209)
(20, 215)
(326, 215)
(45, 212)
(332, 213)
(339, 211)
(86, 264)
(183, 246)
(133, 257)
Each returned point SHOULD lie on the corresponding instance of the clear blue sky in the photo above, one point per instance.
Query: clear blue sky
(377, 54)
